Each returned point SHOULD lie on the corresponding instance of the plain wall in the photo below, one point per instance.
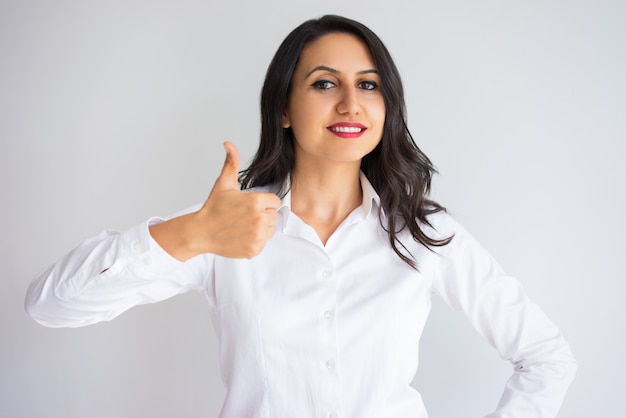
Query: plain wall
(115, 111)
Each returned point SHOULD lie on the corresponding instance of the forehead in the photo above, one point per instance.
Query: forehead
(342, 51)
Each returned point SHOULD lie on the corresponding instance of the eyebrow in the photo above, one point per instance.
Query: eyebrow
(334, 71)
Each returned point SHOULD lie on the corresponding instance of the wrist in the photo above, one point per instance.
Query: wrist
(175, 236)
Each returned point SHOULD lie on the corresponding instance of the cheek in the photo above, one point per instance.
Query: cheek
(381, 109)
(376, 109)
(380, 116)
(311, 117)
(380, 123)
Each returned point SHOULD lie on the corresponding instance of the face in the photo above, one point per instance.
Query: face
(336, 109)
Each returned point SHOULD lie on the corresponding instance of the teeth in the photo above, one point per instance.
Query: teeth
(346, 129)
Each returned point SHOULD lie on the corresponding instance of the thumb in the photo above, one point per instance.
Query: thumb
(228, 178)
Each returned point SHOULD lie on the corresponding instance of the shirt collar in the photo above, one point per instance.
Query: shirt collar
(371, 200)
(370, 204)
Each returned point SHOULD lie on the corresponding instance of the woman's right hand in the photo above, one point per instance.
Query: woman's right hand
(231, 223)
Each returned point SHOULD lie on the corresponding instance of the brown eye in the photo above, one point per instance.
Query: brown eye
(368, 85)
(323, 85)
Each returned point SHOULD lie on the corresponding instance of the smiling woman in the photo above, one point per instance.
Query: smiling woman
(399, 171)
(336, 110)
(320, 275)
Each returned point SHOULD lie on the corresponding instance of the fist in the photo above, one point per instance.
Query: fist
(234, 223)
(231, 223)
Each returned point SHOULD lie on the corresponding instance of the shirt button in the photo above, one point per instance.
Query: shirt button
(136, 246)
(328, 314)
(333, 415)
(147, 261)
(326, 274)
(330, 365)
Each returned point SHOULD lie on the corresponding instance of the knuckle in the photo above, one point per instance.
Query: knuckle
(257, 236)
(256, 221)
(252, 250)
(255, 200)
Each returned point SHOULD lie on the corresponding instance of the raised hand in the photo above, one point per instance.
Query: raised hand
(231, 223)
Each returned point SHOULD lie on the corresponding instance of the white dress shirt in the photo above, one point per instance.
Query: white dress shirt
(307, 330)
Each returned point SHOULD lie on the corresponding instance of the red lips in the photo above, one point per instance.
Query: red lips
(347, 129)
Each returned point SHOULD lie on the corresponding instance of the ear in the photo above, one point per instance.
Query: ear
(286, 121)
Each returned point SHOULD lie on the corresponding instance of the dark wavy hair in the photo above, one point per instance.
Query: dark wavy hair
(397, 169)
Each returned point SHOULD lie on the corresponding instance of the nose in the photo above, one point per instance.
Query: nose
(349, 102)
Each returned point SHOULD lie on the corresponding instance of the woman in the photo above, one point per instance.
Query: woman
(320, 273)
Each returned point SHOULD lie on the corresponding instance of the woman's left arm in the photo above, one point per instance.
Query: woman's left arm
(470, 280)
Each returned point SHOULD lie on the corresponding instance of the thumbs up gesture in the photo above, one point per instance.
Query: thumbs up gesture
(231, 223)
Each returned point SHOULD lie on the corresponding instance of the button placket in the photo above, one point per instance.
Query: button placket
(329, 344)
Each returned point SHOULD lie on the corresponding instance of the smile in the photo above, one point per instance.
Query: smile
(347, 129)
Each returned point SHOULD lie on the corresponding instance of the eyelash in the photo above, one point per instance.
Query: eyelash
(324, 85)
(373, 85)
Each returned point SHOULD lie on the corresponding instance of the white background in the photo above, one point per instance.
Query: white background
(114, 111)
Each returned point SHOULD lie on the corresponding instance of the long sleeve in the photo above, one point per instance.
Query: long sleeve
(107, 275)
(470, 280)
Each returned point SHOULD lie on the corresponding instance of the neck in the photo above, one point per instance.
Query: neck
(325, 195)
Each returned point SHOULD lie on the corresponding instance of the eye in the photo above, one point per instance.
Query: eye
(323, 85)
(368, 85)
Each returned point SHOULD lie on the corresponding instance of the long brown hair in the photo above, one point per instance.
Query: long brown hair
(397, 169)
